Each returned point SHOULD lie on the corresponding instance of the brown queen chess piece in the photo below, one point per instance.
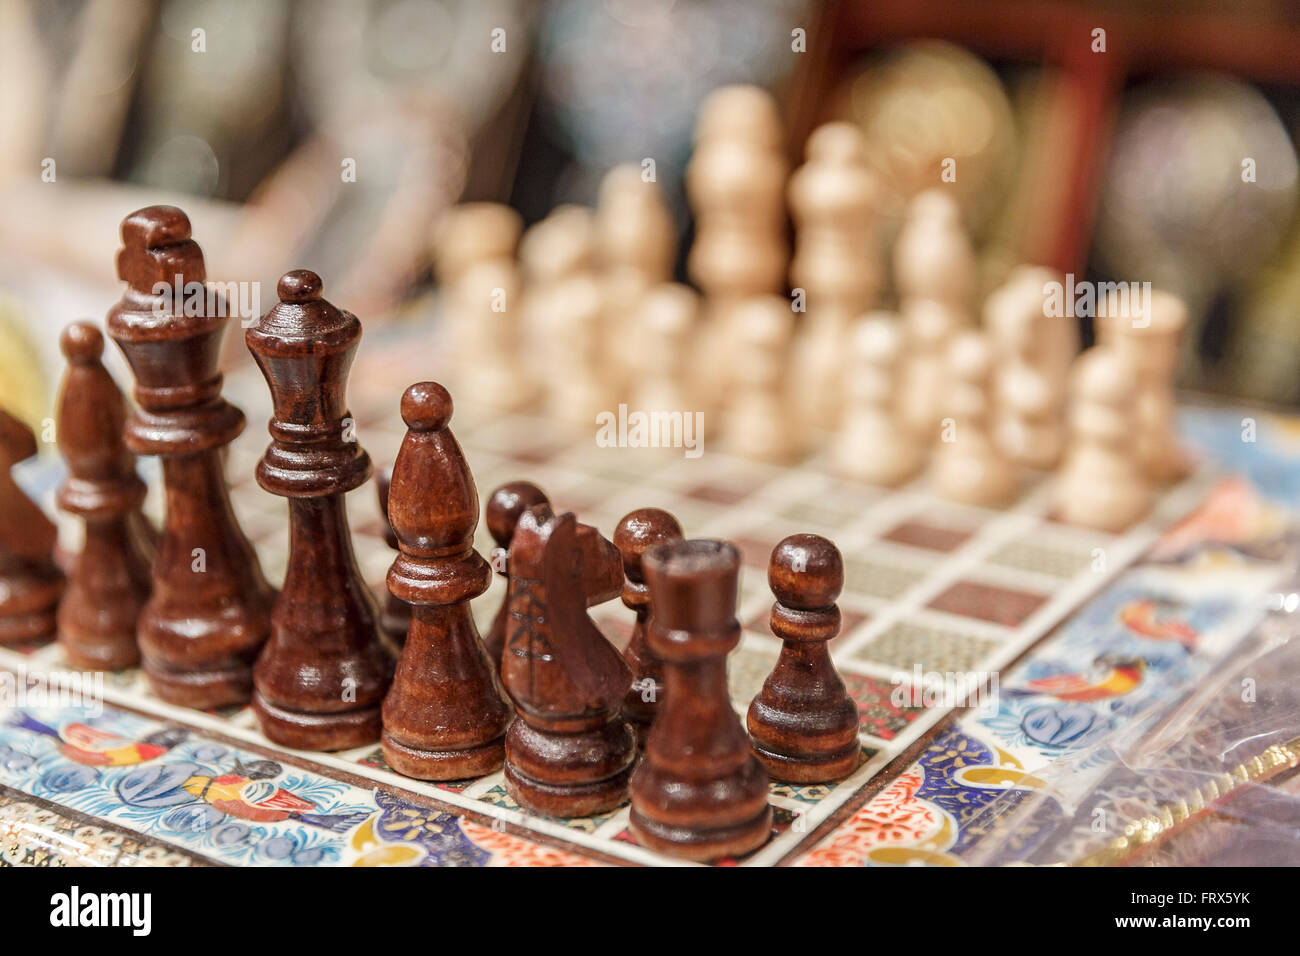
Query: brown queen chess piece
(321, 677)
(30, 582)
(699, 793)
(502, 513)
(803, 722)
(570, 752)
(637, 533)
(446, 715)
(108, 584)
(208, 613)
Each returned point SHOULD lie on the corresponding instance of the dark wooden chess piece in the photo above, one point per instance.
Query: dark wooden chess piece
(30, 582)
(208, 613)
(803, 723)
(321, 678)
(699, 792)
(108, 584)
(395, 618)
(570, 752)
(446, 716)
(636, 533)
(504, 507)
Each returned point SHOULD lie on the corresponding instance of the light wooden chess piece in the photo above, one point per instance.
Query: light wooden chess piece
(1101, 484)
(665, 324)
(1034, 351)
(833, 198)
(757, 423)
(928, 330)
(967, 465)
(735, 181)
(1148, 339)
(873, 444)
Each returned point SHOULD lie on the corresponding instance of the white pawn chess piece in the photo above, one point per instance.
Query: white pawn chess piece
(872, 444)
(933, 257)
(756, 422)
(967, 465)
(1148, 338)
(487, 297)
(929, 328)
(1100, 484)
(661, 341)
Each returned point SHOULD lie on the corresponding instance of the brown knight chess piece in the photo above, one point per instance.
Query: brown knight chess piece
(108, 583)
(699, 792)
(570, 752)
(446, 716)
(30, 582)
(208, 613)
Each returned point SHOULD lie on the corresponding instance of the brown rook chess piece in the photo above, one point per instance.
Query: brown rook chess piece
(321, 678)
(803, 722)
(30, 583)
(504, 507)
(635, 534)
(570, 752)
(699, 793)
(208, 613)
(395, 618)
(446, 716)
(109, 582)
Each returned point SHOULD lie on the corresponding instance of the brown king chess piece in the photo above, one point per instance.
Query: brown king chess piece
(699, 792)
(30, 582)
(803, 723)
(208, 612)
(569, 753)
(504, 507)
(108, 583)
(395, 618)
(446, 715)
(637, 533)
(319, 681)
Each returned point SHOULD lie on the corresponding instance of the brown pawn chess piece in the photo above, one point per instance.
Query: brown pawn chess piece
(635, 534)
(699, 793)
(502, 514)
(446, 715)
(109, 582)
(803, 723)
(208, 612)
(30, 582)
(570, 752)
(395, 618)
(319, 681)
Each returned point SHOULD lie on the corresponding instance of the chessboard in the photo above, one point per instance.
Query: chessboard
(930, 587)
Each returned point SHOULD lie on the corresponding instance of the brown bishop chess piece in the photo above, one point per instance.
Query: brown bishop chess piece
(570, 752)
(699, 792)
(321, 678)
(504, 507)
(446, 715)
(208, 612)
(108, 584)
(395, 618)
(30, 582)
(635, 534)
(803, 723)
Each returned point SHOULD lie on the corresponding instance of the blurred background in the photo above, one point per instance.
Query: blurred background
(1107, 139)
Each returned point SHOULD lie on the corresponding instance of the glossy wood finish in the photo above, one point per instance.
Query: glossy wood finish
(446, 716)
(803, 723)
(108, 583)
(570, 751)
(699, 793)
(208, 613)
(636, 533)
(504, 507)
(321, 678)
(30, 583)
(395, 618)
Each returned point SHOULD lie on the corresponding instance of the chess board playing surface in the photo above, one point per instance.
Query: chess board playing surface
(930, 587)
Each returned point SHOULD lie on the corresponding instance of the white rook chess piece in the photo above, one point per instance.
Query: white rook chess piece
(967, 465)
(872, 444)
(1101, 484)
(757, 424)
